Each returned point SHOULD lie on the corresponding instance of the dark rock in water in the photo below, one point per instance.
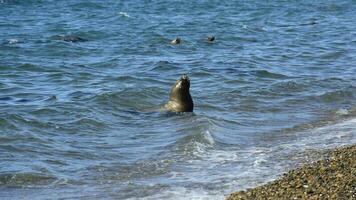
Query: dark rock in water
(70, 38)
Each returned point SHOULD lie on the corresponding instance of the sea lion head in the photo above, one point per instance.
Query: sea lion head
(176, 41)
(180, 88)
(180, 99)
(211, 38)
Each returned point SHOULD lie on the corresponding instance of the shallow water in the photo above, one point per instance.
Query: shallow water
(279, 81)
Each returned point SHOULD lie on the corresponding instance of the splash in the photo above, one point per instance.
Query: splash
(124, 14)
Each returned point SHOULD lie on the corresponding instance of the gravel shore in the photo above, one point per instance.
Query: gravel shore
(333, 177)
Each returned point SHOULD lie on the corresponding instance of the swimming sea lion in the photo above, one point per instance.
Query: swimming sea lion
(211, 38)
(176, 41)
(180, 99)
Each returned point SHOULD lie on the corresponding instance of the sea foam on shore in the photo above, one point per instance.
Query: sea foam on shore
(333, 177)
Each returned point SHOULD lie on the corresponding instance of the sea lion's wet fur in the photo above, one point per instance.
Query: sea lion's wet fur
(180, 99)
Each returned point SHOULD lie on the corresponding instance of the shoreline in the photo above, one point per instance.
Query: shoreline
(331, 177)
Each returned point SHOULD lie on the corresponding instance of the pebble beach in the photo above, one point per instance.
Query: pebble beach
(333, 177)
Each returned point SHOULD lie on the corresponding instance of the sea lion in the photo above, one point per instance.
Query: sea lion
(179, 98)
(176, 41)
(211, 38)
(70, 38)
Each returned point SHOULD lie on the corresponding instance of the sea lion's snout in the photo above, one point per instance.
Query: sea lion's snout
(184, 82)
(184, 77)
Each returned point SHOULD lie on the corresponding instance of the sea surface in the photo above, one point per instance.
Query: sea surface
(81, 120)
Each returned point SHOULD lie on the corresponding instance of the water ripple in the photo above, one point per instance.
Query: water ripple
(278, 79)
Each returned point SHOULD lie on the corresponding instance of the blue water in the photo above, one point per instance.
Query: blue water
(76, 119)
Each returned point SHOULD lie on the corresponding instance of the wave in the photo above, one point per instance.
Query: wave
(31, 68)
(336, 95)
(11, 41)
(89, 123)
(137, 98)
(267, 74)
(198, 139)
(6, 124)
(123, 172)
(26, 179)
(289, 86)
(165, 66)
(28, 98)
(272, 154)
(195, 145)
(88, 5)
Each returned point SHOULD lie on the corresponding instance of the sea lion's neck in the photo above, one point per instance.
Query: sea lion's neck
(180, 95)
(182, 102)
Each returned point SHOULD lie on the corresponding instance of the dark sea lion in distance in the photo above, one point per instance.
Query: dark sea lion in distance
(176, 41)
(179, 98)
(70, 38)
(210, 38)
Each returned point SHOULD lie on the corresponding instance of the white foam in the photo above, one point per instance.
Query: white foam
(199, 148)
(124, 14)
(342, 111)
(12, 41)
(181, 193)
(228, 170)
(209, 138)
(342, 133)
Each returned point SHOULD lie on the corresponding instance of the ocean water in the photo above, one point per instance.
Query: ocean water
(278, 83)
